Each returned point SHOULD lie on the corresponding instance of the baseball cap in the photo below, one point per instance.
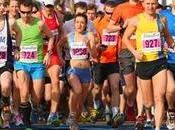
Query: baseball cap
(48, 2)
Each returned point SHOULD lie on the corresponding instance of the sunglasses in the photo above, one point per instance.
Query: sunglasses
(108, 13)
(26, 12)
(34, 12)
(49, 6)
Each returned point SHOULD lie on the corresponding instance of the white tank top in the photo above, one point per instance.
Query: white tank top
(3, 45)
(3, 34)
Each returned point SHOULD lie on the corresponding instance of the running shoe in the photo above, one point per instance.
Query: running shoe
(108, 116)
(54, 119)
(139, 125)
(17, 120)
(34, 116)
(170, 123)
(149, 124)
(6, 116)
(118, 119)
(71, 122)
(95, 114)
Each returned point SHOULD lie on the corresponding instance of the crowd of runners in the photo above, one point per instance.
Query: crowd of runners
(83, 61)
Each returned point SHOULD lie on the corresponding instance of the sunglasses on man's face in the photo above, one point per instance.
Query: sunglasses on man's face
(26, 12)
(34, 12)
(108, 13)
(49, 6)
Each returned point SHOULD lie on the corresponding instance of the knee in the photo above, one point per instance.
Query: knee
(148, 105)
(55, 80)
(78, 91)
(24, 97)
(6, 88)
(170, 92)
(114, 88)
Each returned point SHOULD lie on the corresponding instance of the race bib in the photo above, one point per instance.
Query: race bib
(54, 32)
(151, 42)
(79, 52)
(29, 54)
(109, 38)
(3, 55)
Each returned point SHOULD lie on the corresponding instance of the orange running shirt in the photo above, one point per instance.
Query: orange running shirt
(125, 11)
(108, 39)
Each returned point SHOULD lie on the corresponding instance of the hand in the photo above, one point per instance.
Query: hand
(138, 55)
(46, 60)
(87, 42)
(62, 61)
(126, 23)
(102, 47)
(17, 55)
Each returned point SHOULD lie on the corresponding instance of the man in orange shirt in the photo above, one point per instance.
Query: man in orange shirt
(118, 23)
(108, 66)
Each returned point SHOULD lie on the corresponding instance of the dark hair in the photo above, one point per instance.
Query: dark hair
(81, 5)
(91, 7)
(110, 3)
(100, 14)
(83, 16)
(36, 5)
(26, 3)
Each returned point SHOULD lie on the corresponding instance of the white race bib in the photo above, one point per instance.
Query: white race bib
(151, 42)
(109, 39)
(3, 55)
(55, 32)
(29, 54)
(78, 52)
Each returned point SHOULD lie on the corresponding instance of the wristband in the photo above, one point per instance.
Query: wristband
(17, 48)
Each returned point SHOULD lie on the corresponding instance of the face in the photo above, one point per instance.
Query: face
(49, 9)
(80, 24)
(80, 11)
(108, 11)
(173, 3)
(150, 6)
(2, 7)
(13, 8)
(25, 12)
(91, 14)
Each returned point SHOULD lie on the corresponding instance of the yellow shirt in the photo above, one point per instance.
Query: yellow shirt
(148, 39)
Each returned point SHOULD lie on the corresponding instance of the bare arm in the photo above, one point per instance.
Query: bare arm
(91, 45)
(18, 34)
(168, 37)
(130, 30)
(48, 34)
(113, 27)
(14, 28)
(45, 30)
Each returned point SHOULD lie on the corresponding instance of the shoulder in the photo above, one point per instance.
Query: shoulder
(39, 21)
(90, 35)
(134, 20)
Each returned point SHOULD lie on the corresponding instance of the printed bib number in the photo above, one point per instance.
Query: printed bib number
(109, 38)
(55, 32)
(79, 52)
(151, 42)
(3, 55)
(29, 54)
